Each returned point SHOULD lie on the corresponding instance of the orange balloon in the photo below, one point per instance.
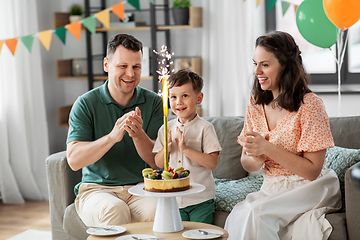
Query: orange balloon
(342, 13)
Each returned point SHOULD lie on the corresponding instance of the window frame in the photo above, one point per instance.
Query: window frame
(324, 82)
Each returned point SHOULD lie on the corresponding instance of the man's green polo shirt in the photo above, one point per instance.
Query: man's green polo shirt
(93, 116)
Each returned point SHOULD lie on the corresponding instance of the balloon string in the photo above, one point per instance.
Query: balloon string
(341, 47)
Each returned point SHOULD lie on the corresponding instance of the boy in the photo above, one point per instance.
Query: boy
(193, 144)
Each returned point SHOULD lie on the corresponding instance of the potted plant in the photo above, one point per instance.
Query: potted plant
(75, 13)
(180, 11)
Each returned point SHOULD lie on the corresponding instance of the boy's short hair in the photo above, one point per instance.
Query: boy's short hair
(184, 76)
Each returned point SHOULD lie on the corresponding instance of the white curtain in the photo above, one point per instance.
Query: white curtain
(23, 129)
(230, 28)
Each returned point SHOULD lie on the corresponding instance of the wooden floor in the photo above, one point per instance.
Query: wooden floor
(16, 218)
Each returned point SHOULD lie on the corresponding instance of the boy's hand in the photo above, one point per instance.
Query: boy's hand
(180, 140)
(169, 141)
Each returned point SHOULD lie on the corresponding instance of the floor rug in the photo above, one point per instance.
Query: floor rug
(32, 234)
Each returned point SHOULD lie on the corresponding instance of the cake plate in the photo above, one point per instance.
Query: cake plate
(167, 216)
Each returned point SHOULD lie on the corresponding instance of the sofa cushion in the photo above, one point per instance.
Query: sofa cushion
(230, 192)
(346, 131)
(227, 130)
(340, 159)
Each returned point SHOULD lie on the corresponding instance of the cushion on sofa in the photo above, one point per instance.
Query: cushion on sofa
(227, 130)
(230, 192)
(340, 159)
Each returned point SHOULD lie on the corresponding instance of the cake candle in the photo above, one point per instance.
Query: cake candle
(165, 95)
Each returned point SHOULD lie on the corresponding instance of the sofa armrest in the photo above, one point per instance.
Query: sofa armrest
(61, 182)
(352, 198)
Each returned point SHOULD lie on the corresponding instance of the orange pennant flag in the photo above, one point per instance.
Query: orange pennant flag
(296, 7)
(11, 44)
(75, 29)
(104, 17)
(1, 43)
(258, 2)
(119, 10)
(45, 38)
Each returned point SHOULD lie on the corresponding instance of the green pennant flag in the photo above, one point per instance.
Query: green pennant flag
(61, 33)
(90, 24)
(284, 6)
(28, 41)
(270, 5)
(152, 1)
(135, 4)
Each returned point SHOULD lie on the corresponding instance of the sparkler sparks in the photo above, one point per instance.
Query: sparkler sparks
(164, 74)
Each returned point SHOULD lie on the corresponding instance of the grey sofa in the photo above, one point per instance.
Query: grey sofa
(66, 224)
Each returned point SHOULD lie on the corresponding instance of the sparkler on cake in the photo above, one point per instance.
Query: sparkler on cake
(164, 74)
(169, 179)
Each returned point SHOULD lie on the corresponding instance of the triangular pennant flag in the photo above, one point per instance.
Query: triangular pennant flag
(119, 10)
(258, 2)
(61, 33)
(75, 29)
(1, 43)
(296, 7)
(284, 6)
(45, 38)
(152, 1)
(11, 44)
(28, 41)
(104, 17)
(270, 5)
(90, 24)
(135, 4)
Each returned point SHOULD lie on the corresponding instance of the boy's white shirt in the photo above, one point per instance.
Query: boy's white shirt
(199, 135)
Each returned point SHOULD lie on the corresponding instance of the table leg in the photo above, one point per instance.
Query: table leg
(167, 216)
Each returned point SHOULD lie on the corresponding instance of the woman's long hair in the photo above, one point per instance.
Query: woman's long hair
(293, 80)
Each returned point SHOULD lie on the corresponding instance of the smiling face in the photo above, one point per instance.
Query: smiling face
(124, 72)
(184, 100)
(267, 70)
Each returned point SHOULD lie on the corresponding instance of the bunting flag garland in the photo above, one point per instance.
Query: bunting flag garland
(28, 41)
(135, 4)
(61, 33)
(45, 38)
(11, 44)
(75, 29)
(296, 7)
(90, 24)
(258, 2)
(270, 5)
(104, 17)
(284, 6)
(119, 11)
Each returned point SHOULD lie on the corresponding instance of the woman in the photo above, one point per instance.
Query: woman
(286, 133)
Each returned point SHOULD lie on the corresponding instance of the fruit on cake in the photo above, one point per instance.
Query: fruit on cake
(172, 180)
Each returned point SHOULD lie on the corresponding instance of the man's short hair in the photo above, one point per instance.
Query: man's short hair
(125, 40)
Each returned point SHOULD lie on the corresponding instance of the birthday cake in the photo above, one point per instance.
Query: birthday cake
(172, 180)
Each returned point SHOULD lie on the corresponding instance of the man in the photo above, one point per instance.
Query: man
(110, 139)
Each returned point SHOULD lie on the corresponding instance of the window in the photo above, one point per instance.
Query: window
(320, 63)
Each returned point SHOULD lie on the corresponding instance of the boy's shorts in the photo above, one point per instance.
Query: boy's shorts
(202, 212)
